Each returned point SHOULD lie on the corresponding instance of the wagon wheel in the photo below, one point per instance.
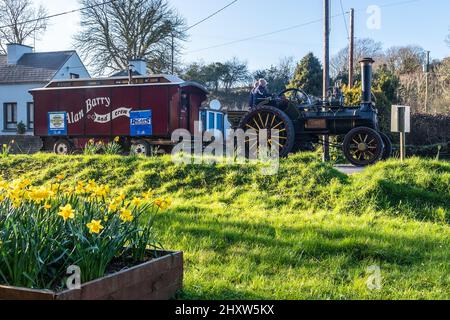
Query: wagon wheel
(363, 147)
(387, 154)
(269, 118)
(62, 147)
(140, 148)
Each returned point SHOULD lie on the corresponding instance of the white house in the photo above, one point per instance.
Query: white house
(21, 70)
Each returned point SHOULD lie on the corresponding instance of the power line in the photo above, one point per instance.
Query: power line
(57, 14)
(211, 15)
(294, 27)
(264, 34)
(345, 20)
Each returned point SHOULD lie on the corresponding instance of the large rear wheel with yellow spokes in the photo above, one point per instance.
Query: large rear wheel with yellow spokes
(280, 129)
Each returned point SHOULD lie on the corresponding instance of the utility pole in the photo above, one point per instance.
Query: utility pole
(326, 74)
(351, 48)
(427, 72)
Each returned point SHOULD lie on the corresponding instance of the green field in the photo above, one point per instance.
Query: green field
(307, 233)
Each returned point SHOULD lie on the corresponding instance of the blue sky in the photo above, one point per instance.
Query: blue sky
(420, 22)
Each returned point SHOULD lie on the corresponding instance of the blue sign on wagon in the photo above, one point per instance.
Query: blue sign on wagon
(141, 123)
(57, 124)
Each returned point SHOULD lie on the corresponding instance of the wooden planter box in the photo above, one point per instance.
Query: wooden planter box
(158, 279)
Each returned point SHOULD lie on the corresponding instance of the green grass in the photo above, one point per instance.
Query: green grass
(307, 233)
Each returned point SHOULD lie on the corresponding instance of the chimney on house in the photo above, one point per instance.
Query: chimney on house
(139, 66)
(16, 51)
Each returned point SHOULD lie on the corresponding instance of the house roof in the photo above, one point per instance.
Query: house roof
(33, 67)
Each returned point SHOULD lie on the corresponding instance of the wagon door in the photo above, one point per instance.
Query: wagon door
(185, 110)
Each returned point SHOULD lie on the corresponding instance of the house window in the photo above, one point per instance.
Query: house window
(30, 115)
(74, 76)
(10, 116)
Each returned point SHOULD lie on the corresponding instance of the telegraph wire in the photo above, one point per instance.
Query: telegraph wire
(211, 15)
(264, 34)
(294, 27)
(58, 14)
(345, 20)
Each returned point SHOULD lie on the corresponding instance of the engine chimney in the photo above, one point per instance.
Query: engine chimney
(366, 76)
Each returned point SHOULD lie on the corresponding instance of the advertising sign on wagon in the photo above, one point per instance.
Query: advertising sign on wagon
(57, 123)
(141, 124)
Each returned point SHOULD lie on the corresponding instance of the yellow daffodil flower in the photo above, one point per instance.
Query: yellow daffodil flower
(136, 202)
(47, 206)
(126, 215)
(163, 204)
(39, 195)
(67, 212)
(147, 195)
(95, 226)
(79, 189)
(112, 207)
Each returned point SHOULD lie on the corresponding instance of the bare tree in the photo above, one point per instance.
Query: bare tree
(236, 73)
(115, 32)
(403, 60)
(363, 48)
(21, 21)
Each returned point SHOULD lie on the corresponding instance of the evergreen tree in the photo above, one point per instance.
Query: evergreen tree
(308, 76)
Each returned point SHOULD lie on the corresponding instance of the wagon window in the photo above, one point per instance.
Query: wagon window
(211, 121)
(220, 122)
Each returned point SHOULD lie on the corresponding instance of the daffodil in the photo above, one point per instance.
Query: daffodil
(67, 212)
(116, 139)
(24, 183)
(112, 207)
(39, 195)
(136, 202)
(126, 215)
(163, 204)
(79, 189)
(91, 186)
(147, 195)
(47, 206)
(60, 177)
(95, 226)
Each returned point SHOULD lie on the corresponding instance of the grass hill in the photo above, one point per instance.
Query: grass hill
(309, 232)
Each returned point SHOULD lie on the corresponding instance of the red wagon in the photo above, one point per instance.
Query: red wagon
(70, 113)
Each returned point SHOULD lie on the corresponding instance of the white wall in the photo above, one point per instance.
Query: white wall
(73, 65)
(16, 93)
(19, 93)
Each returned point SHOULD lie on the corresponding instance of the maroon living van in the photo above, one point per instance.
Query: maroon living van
(69, 113)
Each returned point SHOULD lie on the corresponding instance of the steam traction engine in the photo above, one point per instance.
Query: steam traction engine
(301, 122)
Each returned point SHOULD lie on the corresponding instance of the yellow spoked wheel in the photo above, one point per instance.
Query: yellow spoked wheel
(363, 147)
(279, 128)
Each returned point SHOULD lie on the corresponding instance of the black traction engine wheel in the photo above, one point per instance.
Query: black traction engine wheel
(388, 149)
(363, 146)
(270, 118)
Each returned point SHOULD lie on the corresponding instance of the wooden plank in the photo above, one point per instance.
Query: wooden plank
(158, 279)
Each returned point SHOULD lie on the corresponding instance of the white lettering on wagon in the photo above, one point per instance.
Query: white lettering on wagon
(121, 112)
(91, 104)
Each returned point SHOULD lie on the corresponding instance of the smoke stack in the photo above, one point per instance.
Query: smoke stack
(366, 76)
